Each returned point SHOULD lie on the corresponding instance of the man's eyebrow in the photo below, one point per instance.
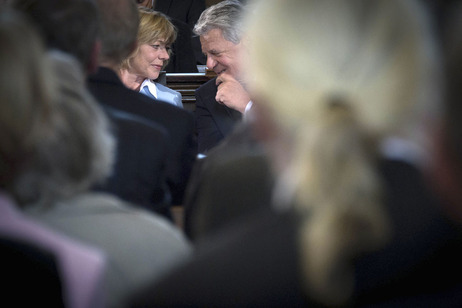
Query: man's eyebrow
(212, 51)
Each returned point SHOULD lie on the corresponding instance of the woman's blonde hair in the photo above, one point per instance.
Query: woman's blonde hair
(153, 26)
(338, 77)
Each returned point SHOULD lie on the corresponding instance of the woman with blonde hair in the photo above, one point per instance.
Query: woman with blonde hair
(140, 70)
(341, 93)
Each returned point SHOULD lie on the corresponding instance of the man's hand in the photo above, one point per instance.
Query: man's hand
(231, 93)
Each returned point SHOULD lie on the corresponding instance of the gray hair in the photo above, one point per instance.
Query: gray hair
(226, 16)
(25, 91)
(74, 148)
(54, 139)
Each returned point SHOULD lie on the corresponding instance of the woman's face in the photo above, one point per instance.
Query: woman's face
(150, 60)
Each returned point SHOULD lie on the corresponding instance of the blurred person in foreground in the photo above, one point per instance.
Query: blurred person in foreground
(29, 118)
(73, 150)
(56, 188)
(139, 71)
(344, 115)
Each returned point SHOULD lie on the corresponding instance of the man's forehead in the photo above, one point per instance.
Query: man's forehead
(215, 34)
(215, 39)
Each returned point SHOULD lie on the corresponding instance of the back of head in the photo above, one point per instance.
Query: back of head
(119, 28)
(75, 148)
(54, 140)
(26, 90)
(226, 16)
(70, 26)
(337, 78)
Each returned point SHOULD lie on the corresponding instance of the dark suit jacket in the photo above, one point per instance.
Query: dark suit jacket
(214, 121)
(138, 175)
(187, 11)
(256, 262)
(106, 86)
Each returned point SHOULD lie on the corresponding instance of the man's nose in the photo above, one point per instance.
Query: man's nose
(211, 62)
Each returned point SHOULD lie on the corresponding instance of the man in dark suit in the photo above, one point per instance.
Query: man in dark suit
(119, 28)
(221, 102)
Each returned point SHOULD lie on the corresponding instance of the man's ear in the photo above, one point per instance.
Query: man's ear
(93, 61)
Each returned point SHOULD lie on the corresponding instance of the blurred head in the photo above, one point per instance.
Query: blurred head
(220, 30)
(55, 141)
(155, 36)
(26, 90)
(70, 26)
(352, 73)
(118, 30)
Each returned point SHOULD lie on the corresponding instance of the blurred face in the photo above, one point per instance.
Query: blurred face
(222, 55)
(150, 60)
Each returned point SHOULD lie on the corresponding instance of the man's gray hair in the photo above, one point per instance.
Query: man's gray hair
(73, 149)
(226, 16)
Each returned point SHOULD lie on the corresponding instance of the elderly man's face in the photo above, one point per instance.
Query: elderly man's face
(222, 55)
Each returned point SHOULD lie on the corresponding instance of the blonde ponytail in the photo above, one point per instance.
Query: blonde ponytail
(357, 72)
(340, 196)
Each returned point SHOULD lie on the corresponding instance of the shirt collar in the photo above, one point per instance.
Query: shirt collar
(151, 87)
